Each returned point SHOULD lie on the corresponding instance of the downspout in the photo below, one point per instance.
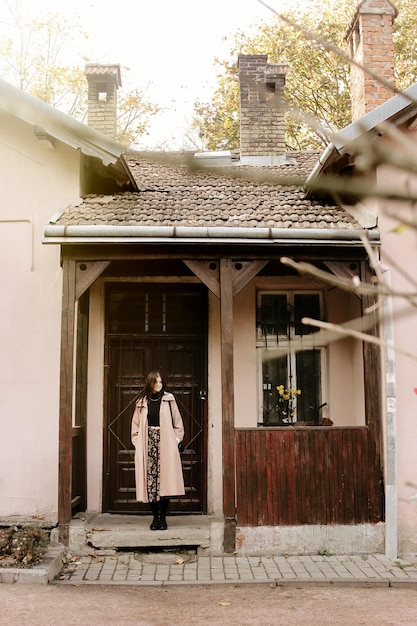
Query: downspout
(391, 496)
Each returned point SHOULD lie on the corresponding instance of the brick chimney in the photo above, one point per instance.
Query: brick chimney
(262, 124)
(103, 82)
(370, 41)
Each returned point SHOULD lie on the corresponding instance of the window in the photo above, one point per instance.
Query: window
(290, 359)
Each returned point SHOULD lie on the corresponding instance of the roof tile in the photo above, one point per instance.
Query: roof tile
(172, 194)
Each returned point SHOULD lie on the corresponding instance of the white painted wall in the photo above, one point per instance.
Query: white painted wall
(35, 183)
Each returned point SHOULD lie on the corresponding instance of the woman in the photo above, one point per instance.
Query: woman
(157, 429)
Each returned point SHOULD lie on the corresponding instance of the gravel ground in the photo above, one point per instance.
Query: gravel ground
(214, 605)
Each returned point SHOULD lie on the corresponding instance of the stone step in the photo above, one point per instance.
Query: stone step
(112, 531)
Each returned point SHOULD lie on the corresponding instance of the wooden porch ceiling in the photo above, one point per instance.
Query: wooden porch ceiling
(237, 252)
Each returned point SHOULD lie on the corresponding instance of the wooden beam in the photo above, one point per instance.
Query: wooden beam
(243, 272)
(206, 252)
(207, 272)
(343, 270)
(373, 405)
(86, 273)
(372, 370)
(340, 269)
(228, 407)
(66, 399)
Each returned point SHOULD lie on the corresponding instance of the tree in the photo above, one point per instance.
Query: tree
(405, 43)
(134, 111)
(34, 55)
(318, 81)
(217, 121)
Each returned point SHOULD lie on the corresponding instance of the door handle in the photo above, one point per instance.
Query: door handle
(203, 394)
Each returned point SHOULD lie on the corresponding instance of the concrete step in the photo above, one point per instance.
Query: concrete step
(111, 531)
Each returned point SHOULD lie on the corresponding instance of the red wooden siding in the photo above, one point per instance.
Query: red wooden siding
(307, 476)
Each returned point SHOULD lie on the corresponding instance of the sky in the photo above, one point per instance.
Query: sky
(169, 46)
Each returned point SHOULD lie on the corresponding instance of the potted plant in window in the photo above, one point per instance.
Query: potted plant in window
(286, 404)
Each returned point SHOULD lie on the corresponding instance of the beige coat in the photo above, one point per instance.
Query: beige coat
(171, 481)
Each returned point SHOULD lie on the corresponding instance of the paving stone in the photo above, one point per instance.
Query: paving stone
(399, 573)
(349, 569)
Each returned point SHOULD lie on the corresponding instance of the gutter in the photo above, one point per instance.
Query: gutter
(79, 234)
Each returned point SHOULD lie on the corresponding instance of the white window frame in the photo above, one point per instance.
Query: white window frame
(281, 345)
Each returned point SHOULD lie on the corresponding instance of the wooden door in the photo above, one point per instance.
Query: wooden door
(155, 327)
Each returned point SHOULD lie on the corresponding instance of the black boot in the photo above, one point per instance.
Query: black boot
(164, 503)
(155, 512)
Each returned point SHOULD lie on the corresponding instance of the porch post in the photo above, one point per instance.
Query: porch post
(65, 400)
(228, 408)
(373, 407)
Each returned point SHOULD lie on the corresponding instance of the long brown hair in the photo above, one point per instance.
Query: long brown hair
(150, 381)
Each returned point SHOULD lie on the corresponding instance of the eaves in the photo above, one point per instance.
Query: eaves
(58, 125)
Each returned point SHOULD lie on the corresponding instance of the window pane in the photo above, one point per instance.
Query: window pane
(127, 312)
(274, 373)
(309, 382)
(306, 305)
(273, 314)
(185, 312)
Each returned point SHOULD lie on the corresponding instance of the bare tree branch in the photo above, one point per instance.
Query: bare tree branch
(348, 331)
(355, 285)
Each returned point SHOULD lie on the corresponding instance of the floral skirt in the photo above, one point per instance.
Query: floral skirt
(153, 464)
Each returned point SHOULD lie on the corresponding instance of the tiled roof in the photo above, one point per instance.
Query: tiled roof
(171, 194)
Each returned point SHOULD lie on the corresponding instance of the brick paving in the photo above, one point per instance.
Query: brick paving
(132, 568)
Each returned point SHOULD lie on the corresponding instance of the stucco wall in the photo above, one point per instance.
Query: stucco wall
(36, 183)
(346, 402)
(95, 394)
(399, 259)
(245, 358)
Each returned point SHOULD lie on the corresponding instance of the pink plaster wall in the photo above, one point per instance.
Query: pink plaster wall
(35, 184)
(399, 256)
